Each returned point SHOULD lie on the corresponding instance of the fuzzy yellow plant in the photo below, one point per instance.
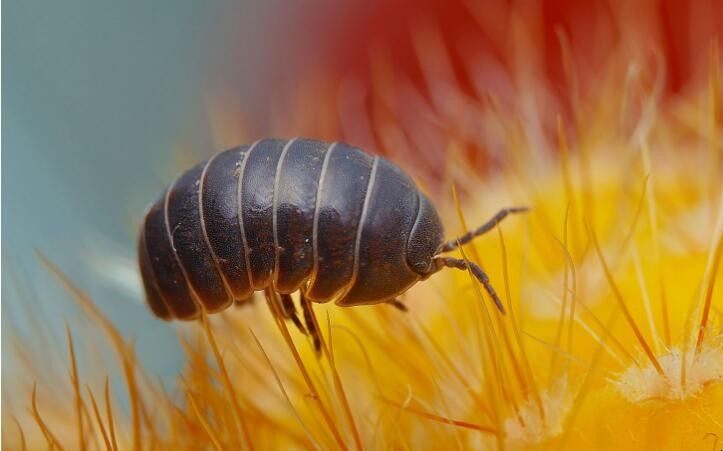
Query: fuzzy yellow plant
(612, 338)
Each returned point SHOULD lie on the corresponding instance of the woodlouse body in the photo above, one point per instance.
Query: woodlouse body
(286, 214)
(281, 216)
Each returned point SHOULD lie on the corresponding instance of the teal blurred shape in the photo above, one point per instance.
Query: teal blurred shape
(93, 96)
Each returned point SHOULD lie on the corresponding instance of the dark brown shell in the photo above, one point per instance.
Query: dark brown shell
(299, 214)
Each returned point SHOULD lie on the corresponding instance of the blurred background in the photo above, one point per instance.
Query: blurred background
(105, 102)
(96, 98)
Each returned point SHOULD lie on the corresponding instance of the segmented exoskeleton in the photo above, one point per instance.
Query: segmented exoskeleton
(288, 215)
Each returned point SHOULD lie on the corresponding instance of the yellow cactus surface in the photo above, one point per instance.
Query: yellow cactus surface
(611, 283)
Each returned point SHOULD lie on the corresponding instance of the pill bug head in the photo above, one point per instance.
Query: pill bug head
(425, 239)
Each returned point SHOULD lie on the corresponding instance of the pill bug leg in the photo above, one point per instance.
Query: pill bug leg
(311, 325)
(397, 304)
(245, 301)
(284, 306)
(289, 311)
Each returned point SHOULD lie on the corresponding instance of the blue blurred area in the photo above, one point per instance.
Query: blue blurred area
(94, 97)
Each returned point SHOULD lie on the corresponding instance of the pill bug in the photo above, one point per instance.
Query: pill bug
(280, 216)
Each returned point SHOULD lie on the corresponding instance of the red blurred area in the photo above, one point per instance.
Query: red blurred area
(344, 33)
(414, 78)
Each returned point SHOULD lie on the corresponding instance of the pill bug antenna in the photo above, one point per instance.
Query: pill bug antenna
(450, 262)
(481, 230)
(477, 272)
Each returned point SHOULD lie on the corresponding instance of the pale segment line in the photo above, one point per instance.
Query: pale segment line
(239, 212)
(152, 269)
(414, 228)
(194, 296)
(202, 219)
(317, 209)
(362, 220)
(274, 214)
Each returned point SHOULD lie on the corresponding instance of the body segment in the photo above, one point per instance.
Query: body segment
(219, 200)
(342, 194)
(256, 194)
(380, 265)
(297, 186)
